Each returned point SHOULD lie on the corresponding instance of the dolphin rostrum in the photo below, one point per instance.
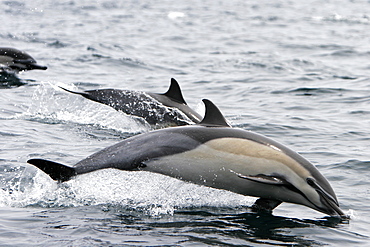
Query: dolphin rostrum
(16, 60)
(214, 154)
(169, 108)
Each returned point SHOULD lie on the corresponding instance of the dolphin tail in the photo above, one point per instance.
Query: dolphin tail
(86, 95)
(56, 171)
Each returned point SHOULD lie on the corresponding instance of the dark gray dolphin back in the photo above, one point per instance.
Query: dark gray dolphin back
(169, 108)
(16, 54)
(132, 152)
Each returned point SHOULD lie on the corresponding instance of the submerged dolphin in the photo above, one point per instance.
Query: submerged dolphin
(214, 154)
(169, 108)
(16, 60)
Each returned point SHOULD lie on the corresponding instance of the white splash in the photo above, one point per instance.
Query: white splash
(352, 214)
(175, 15)
(152, 193)
(52, 104)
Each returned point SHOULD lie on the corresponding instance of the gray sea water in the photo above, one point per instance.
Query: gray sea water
(295, 71)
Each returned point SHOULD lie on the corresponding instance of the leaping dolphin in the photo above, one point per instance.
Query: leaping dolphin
(213, 154)
(169, 108)
(16, 60)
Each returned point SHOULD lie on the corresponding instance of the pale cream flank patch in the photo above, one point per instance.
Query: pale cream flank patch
(253, 149)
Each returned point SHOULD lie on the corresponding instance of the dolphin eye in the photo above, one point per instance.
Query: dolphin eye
(319, 189)
(311, 182)
(141, 165)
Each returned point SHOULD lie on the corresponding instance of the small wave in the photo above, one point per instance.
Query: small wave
(132, 62)
(345, 77)
(98, 56)
(28, 37)
(327, 47)
(364, 19)
(87, 84)
(91, 57)
(347, 52)
(57, 44)
(306, 91)
(8, 134)
(356, 99)
(360, 112)
(357, 165)
(15, 8)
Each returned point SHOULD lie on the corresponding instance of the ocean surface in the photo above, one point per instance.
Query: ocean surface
(295, 71)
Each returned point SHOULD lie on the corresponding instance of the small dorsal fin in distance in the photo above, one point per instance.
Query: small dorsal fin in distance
(213, 116)
(174, 92)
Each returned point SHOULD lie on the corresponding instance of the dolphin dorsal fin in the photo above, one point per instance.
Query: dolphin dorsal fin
(174, 92)
(213, 116)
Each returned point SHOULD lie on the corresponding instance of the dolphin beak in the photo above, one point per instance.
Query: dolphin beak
(29, 64)
(37, 66)
(330, 203)
(331, 206)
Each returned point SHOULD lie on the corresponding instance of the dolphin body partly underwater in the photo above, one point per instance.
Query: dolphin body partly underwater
(168, 109)
(12, 59)
(213, 154)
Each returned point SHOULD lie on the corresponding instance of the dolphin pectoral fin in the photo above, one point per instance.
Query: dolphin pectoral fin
(263, 204)
(265, 179)
(56, 171)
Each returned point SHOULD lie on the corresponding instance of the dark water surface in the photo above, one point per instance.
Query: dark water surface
(295, 71)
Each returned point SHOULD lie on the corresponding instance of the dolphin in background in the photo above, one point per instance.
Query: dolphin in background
(13, 60)
(214, 154)
(164, 109)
